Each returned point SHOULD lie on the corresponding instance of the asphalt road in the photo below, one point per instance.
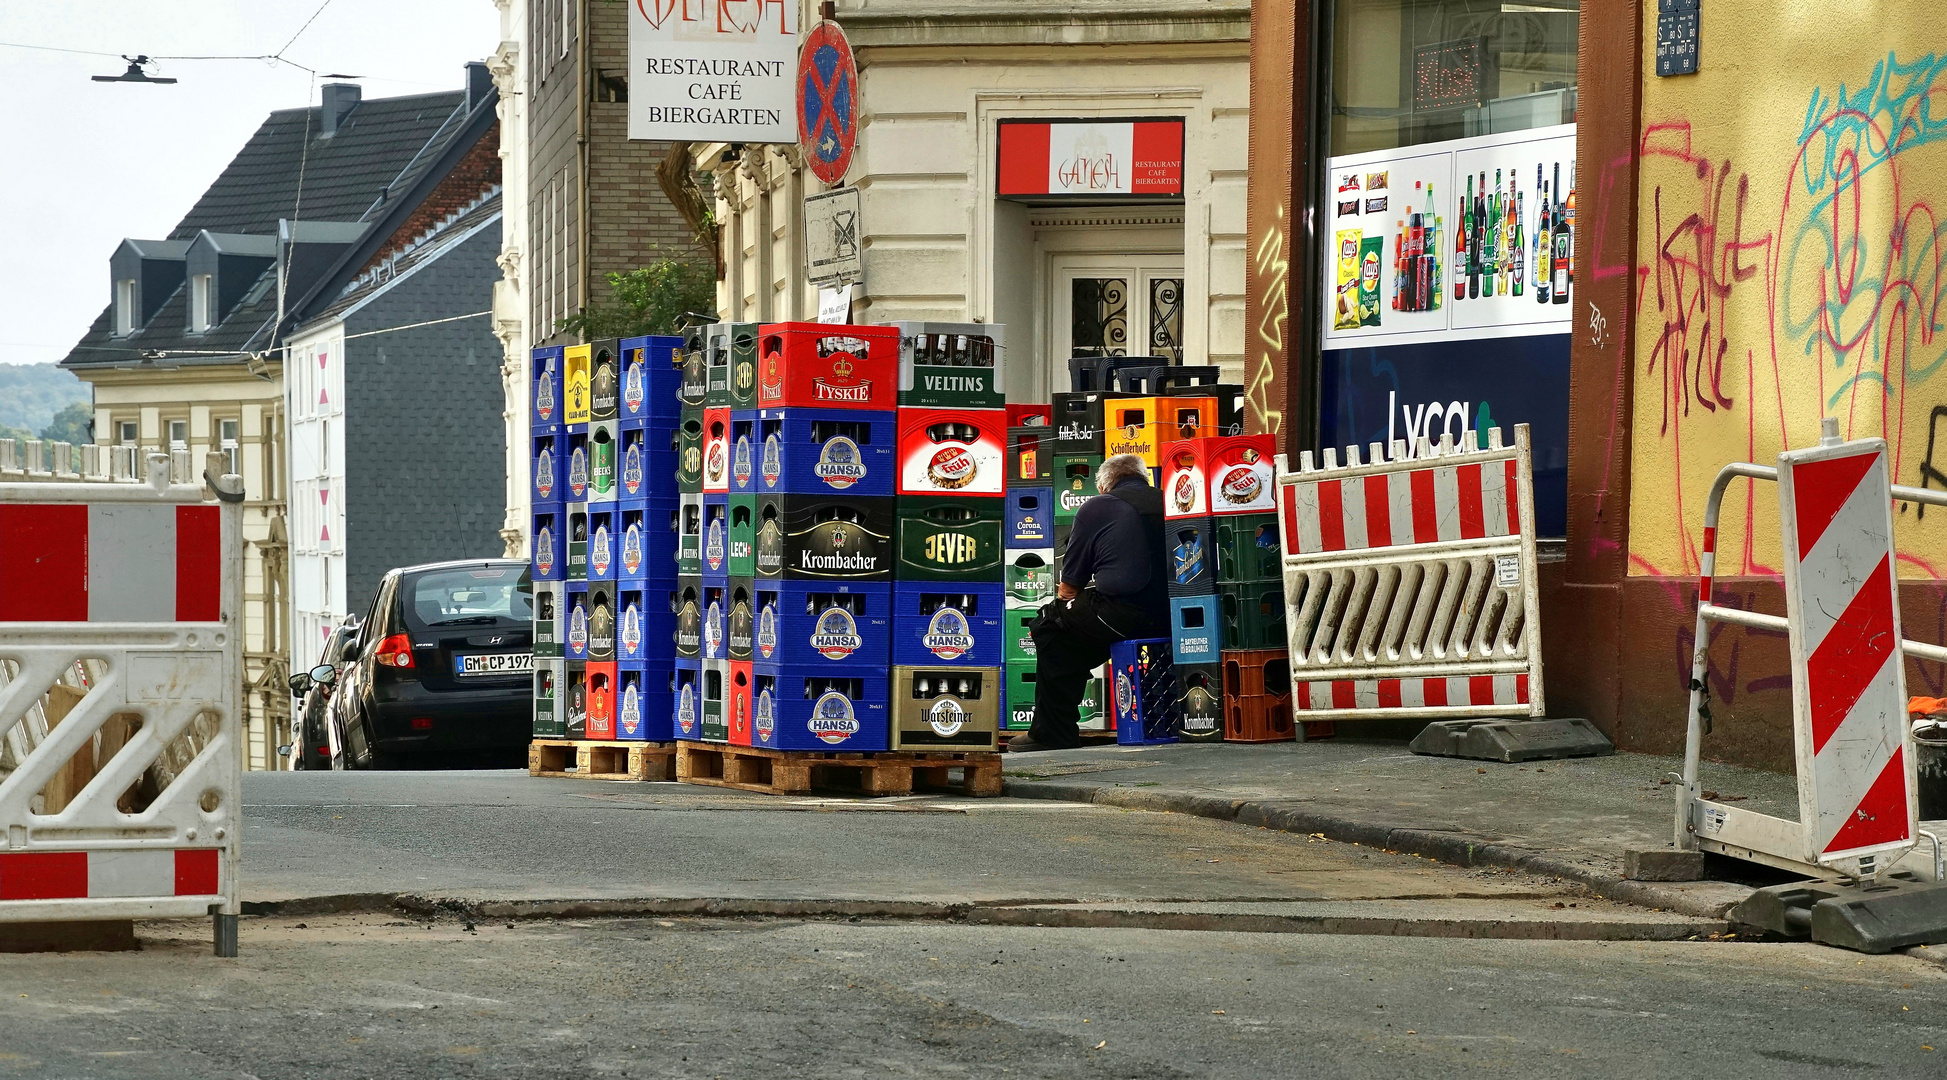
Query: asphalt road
(375, 996)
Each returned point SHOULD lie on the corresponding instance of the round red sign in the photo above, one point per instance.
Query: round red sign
(828, 102)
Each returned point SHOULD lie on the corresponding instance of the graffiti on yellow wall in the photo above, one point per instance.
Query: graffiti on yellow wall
(1791, 265)
(1266, 349)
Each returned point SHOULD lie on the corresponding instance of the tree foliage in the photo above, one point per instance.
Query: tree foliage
(74, 424)
(649, 300)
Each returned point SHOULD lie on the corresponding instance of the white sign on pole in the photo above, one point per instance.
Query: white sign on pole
(831, 227)
(713, 70)
(835, 304)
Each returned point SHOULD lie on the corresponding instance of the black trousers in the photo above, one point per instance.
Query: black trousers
(1071, 640)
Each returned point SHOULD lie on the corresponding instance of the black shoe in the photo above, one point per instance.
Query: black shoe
(1021, 744)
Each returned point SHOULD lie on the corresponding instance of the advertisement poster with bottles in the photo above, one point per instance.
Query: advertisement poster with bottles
(1451, 240)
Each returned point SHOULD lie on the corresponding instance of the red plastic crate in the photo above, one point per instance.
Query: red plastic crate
(1019, 412)
(738, 706)
(1235, 474)
(716, 450)
(937, 458)
(1257, 696)
(826, 366)
(601, 700)
(1257, 719)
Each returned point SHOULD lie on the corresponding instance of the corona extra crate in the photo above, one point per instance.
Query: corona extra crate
(645, 623)
(799, 708)
(604, 445)
(716, 689)
(1018, 701)
(1143, 688)
(947, 708)
(742, 376)
(945, 622)
(1200, 698)
(1248, 547)
(689, 536)
(1030, 456)
(550, 678)
(716, 620)
(1192, 560)
(959, 452)
(643, 706)
(743, 451)
(1030, 518)
(547, 560)
(817, 624)
(827, 366)
(648, 464)
(600, 720)
(716, 535)
(686, 694)
(743, 535)
(548, 468)
(949, 538)
(689, 452)
(545, 406)
(716, 451)
(574, 387)
(604, 381)
(1079, 418)
(689, 618)
(741, 618)
(826, 451)
(826, 538)
(649, 539)
(652, 378)
(1196, 629)
(1017, 643)
(950, 365)
(1232, 475)
(1074, 483)
(575, 471)
(1253, 613)
(550, 620)
(1030, 577)
(739, 690)
(1141, 426)
(604, 541)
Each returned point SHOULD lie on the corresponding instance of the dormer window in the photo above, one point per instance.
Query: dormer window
(125, 307)
(201, 300)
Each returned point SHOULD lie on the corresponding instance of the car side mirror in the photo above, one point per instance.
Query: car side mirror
(284, 750)
(324, 674)
(300, 684)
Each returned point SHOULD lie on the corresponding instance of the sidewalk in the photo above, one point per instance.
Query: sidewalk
(1567, 819)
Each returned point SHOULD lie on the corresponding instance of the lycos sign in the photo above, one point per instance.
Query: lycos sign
(713, 70)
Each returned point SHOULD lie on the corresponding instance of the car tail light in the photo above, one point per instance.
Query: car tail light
(324, 749)
(395, 651)
(422, 723)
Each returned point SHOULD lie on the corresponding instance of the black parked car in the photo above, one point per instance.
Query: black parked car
(314, 741)
(445, 668)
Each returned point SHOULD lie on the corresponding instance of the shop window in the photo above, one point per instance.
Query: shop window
(1408, 72)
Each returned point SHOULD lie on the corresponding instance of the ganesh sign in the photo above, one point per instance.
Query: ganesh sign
(713, 70)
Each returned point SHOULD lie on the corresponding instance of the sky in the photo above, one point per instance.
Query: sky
(89, 163)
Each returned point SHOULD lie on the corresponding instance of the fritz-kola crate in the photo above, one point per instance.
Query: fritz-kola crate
(940, 708)
(820, 366)
(812, 537)
(950, 365)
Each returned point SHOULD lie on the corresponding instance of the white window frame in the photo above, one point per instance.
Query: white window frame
(125, 307)
(228, 432)
(130, 432)
(200, 302)
(175, 426)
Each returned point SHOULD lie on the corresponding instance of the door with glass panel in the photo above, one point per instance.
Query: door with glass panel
(1114, 305)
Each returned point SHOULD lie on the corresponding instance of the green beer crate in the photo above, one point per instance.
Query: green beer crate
(1095, 713)
(950, 365)
(1252, 613)
(743, 535)
(604, 443)
(1248, 548)
(1017, 643)
(716, 686)
(948, 538)
(549, 675)
(689, 453)
(742, 376)
(577, 542)
(1074, 483)
(1030, 577)
(1019, 714)
(716, 393)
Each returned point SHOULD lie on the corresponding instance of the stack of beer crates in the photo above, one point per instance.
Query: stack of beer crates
(548, 537)
(949, 595)
(1226, 585)
(1028, 552)
(572, 476)
(646, 521)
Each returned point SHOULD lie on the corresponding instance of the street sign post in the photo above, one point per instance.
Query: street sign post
(828, 101)
(831, 223)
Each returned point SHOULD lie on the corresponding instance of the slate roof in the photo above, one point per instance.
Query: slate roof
(379, 153)
(445, 235)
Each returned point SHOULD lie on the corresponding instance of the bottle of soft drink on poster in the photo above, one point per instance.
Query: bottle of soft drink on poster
(1436, 285)
(1415, 245)
(1399, 265)
(1476, 213)
(1466, 219)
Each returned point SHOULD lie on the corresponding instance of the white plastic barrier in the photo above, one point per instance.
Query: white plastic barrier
(120, 652)
(1410, 583)
(1858, 802)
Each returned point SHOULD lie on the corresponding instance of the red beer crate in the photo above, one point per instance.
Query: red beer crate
(1234, 474)
(1257, 696)
(826, 366)
(952, 452)
(1029, 414)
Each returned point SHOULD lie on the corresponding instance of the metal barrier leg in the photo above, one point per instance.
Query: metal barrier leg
(226, 933)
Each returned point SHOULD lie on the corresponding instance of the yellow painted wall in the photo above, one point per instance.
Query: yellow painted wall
(1792, 212)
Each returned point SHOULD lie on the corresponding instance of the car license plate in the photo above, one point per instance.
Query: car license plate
(505, 663)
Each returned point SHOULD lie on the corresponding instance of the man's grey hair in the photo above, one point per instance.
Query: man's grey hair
(1119, 468)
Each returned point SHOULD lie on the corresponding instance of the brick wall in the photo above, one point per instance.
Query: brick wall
(474, 174)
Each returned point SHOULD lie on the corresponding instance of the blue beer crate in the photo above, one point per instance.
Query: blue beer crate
(649, 539)
(716, 535)
(549, 542)
(686, 697)
(826, 451)
(716, 620)
(948, 622)
(546, 403)
(652, 373)
(548, 468)
(604, 540)
(648, 464)
(743, 452)
(809, 708)
(1196, 629)
(1030, 521)
(823, 624)
(1192, 547)
(576, 469)
(574, 601)
(644, 705)
(645, 622)
(1142, 692)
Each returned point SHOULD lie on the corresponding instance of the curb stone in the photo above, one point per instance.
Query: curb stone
(1304, 816)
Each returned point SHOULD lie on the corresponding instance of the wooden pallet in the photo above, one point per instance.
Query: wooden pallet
(581, 759)
(792, 772)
